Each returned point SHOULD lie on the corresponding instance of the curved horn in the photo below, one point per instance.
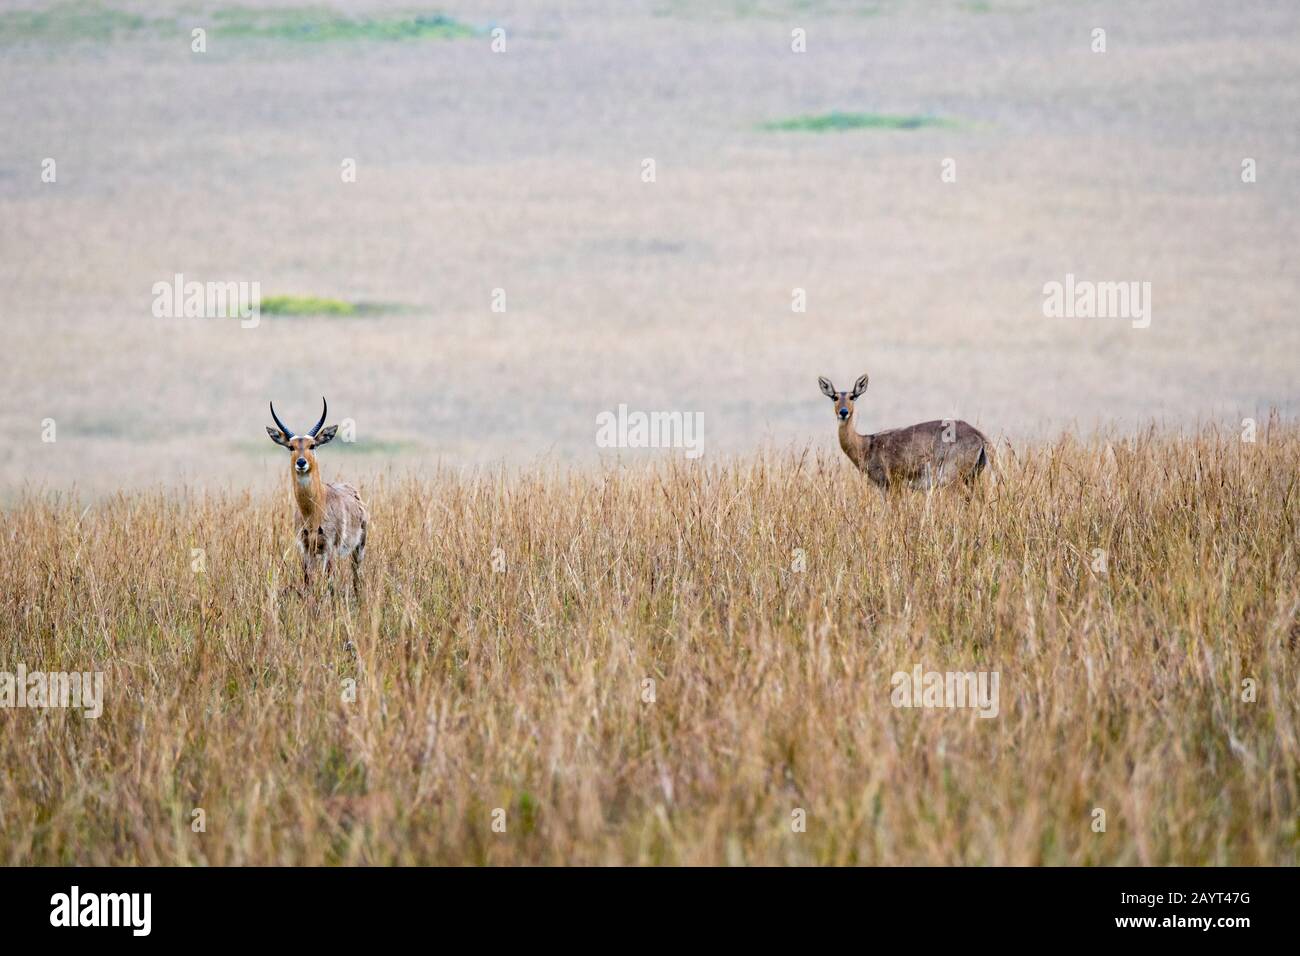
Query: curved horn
(288, 433)
(323, 412)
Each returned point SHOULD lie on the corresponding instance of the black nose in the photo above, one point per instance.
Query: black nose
(844, 413)
(302, 462)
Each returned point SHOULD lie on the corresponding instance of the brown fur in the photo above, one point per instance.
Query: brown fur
(924, 456)
(332, 518)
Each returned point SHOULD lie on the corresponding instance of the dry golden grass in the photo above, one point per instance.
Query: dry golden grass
(523, 690)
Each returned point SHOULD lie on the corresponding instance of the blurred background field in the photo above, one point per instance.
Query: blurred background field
(522, 171)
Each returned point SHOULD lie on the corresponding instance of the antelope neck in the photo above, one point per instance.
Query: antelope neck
(310, 495)
(853, 444)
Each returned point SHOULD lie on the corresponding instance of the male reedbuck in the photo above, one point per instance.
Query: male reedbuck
(332, 518)
(925, 456)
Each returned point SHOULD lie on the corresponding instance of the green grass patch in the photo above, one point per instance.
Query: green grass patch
(310, 305)
(305, 305)
(323, 24)
(70, 21)
(837, 122)
(73, 21)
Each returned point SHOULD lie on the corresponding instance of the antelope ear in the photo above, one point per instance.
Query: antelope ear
(325, 435)
(277, 436)
(827, 388)
(859, 387)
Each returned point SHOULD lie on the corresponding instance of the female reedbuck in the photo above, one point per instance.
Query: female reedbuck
(925, 456)
(332, 518)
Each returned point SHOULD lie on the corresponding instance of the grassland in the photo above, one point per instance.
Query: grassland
(837, 121)
(91, 21)
(516, 679)
(308, 305)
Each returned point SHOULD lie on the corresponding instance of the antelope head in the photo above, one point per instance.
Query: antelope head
(843, 400)
(302, 447)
